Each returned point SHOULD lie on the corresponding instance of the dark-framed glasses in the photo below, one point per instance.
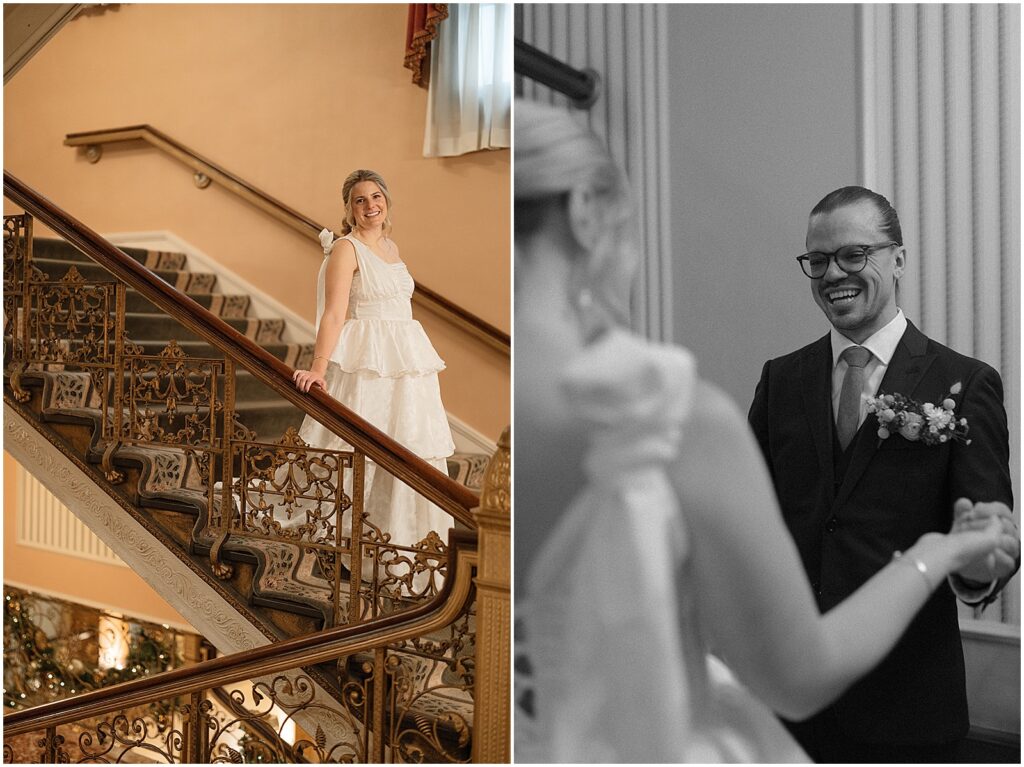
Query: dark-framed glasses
(851, 259)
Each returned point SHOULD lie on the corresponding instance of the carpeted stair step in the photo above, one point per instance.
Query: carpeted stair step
(64, 251)
(185, 281)
(220, 304)
(294, 355)
(55, 256)
(270, 419)
(142, 327)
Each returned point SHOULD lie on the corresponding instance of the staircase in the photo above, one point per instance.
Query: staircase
(274, 575)
(154, 413)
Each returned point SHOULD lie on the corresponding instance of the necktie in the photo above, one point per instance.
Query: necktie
(849, 398)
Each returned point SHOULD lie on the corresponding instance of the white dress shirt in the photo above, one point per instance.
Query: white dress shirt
(882, 345)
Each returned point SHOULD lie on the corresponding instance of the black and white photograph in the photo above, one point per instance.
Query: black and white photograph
(766, 383)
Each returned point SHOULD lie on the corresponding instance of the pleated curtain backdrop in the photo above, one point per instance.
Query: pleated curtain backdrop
(940, 136)
(626, 46)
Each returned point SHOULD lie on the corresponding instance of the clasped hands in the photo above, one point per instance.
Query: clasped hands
(1003, 560)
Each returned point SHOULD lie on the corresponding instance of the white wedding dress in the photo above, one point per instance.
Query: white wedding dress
(610, 664)
(385, 369)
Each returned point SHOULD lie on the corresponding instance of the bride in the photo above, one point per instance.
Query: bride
(373, 357)
(647, 531)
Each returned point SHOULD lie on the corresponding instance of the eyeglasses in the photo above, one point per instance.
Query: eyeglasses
(851, 259)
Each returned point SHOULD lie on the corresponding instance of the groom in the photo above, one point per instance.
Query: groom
(851, 498)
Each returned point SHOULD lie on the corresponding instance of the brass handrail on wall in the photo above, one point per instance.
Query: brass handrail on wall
(269, 659)
(206, 171)
(454, 498)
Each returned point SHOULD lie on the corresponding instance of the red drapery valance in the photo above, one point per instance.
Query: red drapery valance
(420, 30)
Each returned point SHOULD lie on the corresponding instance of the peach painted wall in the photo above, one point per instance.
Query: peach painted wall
(291, 98)
(95, 583)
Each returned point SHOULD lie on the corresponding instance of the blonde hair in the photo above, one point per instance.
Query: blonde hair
(356, 176)
(554, 154)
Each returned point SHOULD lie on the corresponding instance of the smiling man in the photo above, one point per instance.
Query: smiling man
(852, 497)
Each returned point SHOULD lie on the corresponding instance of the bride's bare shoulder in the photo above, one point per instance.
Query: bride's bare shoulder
(714, 410)
(716, 435)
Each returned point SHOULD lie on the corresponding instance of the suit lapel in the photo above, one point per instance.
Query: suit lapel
(816, 375)
(909, 364)
(907, 367)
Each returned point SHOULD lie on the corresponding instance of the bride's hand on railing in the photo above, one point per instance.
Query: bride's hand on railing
(307, 379)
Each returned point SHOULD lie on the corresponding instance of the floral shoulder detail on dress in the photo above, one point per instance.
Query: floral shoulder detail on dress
(626, 381)
(326, 240)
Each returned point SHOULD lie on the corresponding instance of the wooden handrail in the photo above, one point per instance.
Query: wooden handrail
(480, 328)
(437, 487)
(272, 658)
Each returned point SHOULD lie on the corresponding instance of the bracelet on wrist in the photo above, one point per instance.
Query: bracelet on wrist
(916, 563)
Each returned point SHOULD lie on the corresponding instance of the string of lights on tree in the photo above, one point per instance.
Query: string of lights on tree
(39, 667)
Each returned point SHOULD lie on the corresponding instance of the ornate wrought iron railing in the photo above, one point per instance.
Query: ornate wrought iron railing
(206, 171)
(385, 714)
(181, 410)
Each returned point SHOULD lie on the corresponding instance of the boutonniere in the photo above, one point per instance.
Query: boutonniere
(914, 421)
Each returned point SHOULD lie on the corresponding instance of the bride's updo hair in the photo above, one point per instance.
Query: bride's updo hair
(555, 154)
(348, 224)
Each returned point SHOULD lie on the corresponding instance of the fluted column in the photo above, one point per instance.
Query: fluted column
(626, 46)
(940, 137)
(492, 699)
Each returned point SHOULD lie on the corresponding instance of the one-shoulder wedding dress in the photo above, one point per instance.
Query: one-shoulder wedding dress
(385, 369)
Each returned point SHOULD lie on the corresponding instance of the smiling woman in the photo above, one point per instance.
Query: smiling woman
(374, 358)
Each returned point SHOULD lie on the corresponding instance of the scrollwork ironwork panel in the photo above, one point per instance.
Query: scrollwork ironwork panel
(173, 399)
(295, 492)
(72, 322)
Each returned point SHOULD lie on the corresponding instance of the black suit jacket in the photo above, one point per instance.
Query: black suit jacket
(893, 491)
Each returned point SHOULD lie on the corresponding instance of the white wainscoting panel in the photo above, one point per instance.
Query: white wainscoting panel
(43, 522)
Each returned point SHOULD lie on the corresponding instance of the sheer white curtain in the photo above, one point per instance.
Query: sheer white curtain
(469, 106)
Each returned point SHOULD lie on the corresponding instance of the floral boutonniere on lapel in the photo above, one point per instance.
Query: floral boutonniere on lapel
(917, 422)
